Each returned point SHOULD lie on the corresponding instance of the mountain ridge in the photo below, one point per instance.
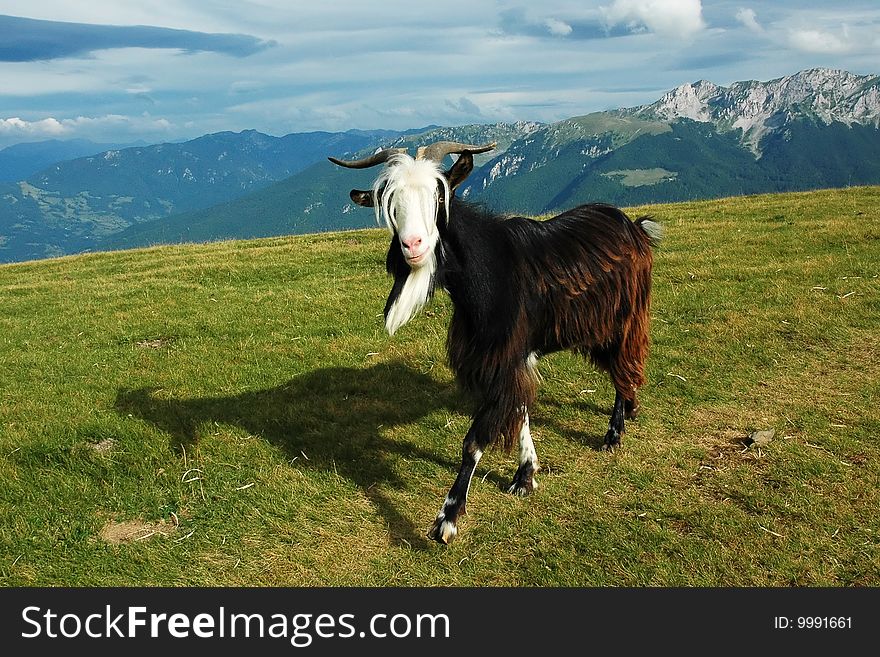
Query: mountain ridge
(829, 95)
(22, 160)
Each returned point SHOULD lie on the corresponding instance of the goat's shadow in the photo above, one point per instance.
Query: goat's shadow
(586, 435)
(329, 419)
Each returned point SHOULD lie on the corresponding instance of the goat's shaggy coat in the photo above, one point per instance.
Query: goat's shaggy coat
(521, 289)
(579, 281)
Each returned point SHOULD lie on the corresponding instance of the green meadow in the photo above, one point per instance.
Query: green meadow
(233, 414)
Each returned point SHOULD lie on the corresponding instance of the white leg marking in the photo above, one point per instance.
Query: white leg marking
(446, 528)
(527, 453)
(478, 454)
(448, 531)
(452, 501)
(527, 456)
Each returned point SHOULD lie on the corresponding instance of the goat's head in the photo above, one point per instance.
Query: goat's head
(413, 194)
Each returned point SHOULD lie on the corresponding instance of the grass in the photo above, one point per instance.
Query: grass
(233, 414)
(640, 177)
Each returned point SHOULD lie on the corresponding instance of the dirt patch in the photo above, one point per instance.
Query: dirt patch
(103, 446)
(724, 440)
(155, 343)
(721, 432)
(130, 531)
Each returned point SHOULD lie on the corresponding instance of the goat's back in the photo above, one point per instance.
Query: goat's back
(589, 275)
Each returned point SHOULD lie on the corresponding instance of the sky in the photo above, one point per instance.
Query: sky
(123, 71)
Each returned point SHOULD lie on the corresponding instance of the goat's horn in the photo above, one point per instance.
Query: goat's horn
(441, 149)
(370, 161)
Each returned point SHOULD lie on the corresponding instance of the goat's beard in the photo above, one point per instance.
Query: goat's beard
(417, 289)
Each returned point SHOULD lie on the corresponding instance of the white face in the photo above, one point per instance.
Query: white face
(410, 202)
(414, 213)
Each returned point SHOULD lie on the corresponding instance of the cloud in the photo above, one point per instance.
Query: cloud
(749, 18)
(16, 129)
(579, 24)
(465, 106)
(817, 41)
(680, 19)
(557, 27)
(352, 64)
(28, 40)
(246, 87)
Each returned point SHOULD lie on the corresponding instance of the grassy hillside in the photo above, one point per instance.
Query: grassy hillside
(233, 414)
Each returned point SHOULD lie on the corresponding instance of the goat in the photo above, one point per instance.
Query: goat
(520, 289)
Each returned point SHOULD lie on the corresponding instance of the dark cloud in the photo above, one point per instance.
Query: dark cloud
(28, 40)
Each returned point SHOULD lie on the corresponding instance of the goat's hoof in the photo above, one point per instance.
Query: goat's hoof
(612, 441)
(522, 489)
(443, 531)
(524, 482)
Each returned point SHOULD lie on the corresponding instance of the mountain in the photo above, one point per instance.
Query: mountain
(816, 128)
(699, 140)
(761, 108)
(23, 160)
(315, 200)
(71, 206)
(533, 170)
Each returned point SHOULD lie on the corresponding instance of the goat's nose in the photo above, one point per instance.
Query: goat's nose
(412, 243)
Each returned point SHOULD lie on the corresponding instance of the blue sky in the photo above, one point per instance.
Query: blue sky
(126, 70)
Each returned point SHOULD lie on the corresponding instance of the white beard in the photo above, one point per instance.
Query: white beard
(415, 294)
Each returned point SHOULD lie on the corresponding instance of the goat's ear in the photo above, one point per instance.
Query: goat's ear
(460, 170)
(362, 198)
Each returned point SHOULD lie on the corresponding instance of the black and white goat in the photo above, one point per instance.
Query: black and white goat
(520, 289)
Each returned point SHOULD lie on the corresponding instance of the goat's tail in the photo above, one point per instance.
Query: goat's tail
(651, 228)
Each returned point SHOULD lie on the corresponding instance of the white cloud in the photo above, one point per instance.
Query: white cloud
(16, 127)
(557, 27)
(680, 19)
(817, 41)
(90, 127)
(749, 18)
(370, 65)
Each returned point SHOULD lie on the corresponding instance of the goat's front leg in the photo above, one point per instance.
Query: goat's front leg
(444, 528)
(524, 481)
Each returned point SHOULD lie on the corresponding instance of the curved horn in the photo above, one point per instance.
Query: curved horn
(370, 161)
(441, 149)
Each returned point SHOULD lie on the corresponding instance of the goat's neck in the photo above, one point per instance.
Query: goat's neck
(470, 263)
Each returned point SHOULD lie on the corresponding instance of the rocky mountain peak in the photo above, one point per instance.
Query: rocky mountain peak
(822, 94)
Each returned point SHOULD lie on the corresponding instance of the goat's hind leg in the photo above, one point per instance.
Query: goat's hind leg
(631, 408)
(616, 424)
(524, 481)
